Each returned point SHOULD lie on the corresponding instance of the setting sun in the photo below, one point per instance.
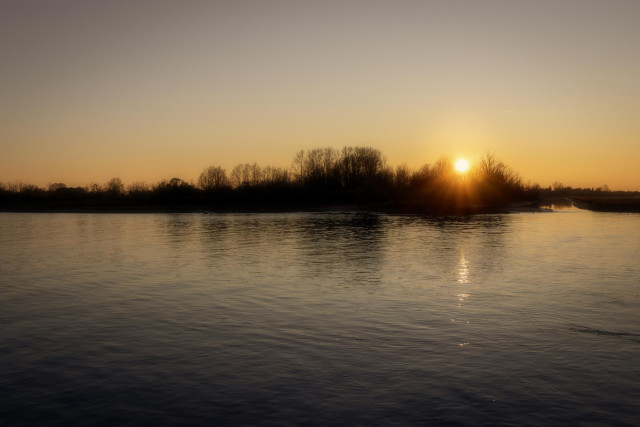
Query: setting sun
(461, 165)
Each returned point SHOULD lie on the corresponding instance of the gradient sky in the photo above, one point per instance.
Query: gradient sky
(146, 90)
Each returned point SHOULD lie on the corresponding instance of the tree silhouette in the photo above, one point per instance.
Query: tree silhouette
(317, 177)
(114, 187)
(56, 186)
(213, 178)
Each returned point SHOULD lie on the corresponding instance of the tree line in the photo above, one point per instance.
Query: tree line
(316, 178)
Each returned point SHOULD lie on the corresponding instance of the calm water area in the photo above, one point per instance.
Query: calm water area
(320, 319)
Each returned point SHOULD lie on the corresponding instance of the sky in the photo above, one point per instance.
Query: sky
(150, 90)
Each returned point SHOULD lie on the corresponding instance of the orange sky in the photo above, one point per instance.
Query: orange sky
(153, 90)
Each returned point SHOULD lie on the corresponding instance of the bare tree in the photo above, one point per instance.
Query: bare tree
(213, 177)
(495, 171)
(94, 188)
(402, 176)
(255, 174)
(114, 187)
(137, 188)
(360, 166)
(272, 175)
(245, 174)
(16, 186)
(443, 168)
(297, 166)
(236, 176)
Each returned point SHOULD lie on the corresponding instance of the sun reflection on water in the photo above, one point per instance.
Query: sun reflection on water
(463, 269)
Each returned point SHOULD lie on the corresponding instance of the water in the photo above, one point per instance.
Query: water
(329, 318)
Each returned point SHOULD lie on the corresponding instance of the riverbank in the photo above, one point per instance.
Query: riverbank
(415, 208)
(608, 204)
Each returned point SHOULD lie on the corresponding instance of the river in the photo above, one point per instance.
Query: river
(320, 318)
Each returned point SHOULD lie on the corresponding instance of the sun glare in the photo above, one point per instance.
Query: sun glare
(462, 165)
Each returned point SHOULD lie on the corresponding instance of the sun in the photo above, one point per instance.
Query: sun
(462, 165)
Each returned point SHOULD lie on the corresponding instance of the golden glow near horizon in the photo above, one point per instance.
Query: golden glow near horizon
(462, 165)
(154, 90)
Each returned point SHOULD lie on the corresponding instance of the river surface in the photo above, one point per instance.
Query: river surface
(320, 319)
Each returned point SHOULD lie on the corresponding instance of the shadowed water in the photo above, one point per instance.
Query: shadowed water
(334, 318)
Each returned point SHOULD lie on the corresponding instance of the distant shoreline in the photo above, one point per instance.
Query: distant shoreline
(608, 204)
(416, 209)
(621, 204)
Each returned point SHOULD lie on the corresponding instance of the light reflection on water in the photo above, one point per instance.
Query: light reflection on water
(320, 318)
(463, 269)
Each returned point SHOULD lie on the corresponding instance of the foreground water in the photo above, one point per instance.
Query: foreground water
(335, 318)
